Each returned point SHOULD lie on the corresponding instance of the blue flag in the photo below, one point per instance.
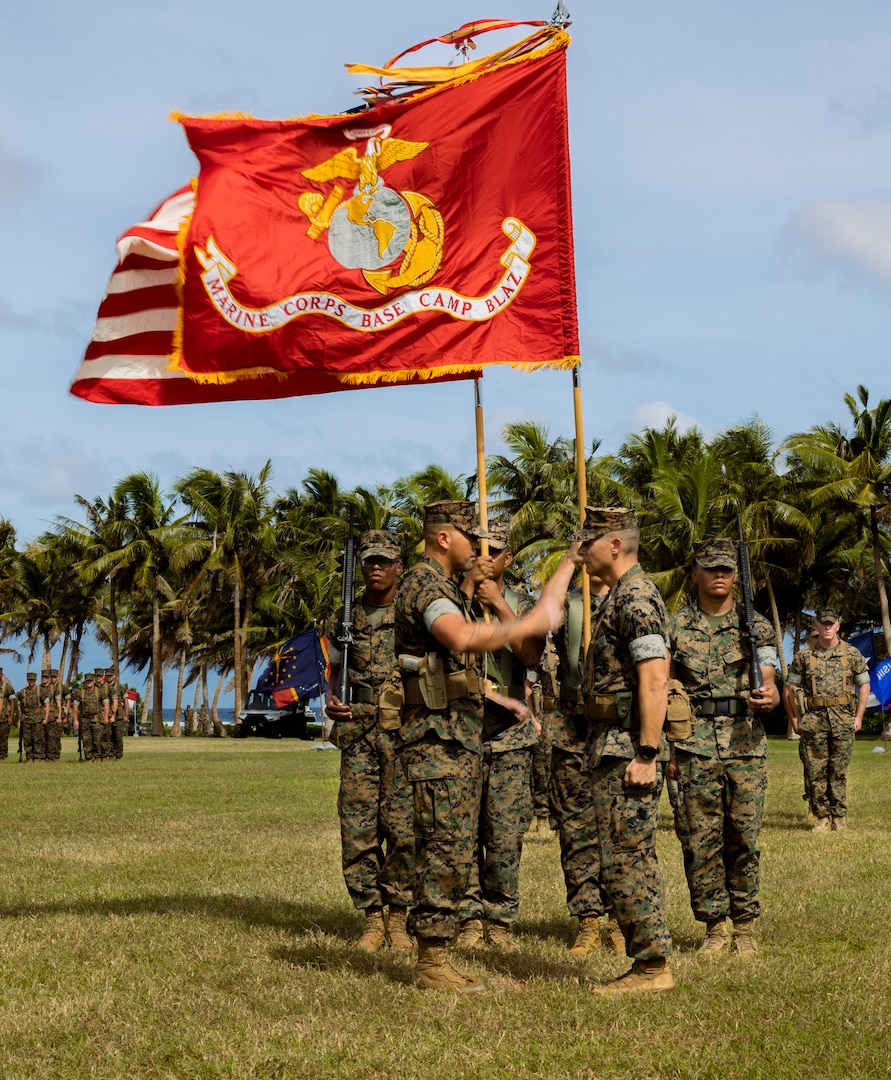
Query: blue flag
(879, 673)
(297, 671)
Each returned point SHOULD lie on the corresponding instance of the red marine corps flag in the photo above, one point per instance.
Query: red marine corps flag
(420, 238)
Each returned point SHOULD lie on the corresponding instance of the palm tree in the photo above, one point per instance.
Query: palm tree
(851, 472)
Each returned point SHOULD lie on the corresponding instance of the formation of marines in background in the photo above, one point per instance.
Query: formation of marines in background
(98, 712)
(456, 686)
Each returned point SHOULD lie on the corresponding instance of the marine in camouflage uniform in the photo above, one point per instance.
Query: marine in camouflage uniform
(117, 715)
(7, 707)
(54, 717)
(490, 905)
(722, 767)
(442, 718)
(32, 712)
(625, 699)
(829, 673)
(375, 800)
(90, 709)
(570, 786)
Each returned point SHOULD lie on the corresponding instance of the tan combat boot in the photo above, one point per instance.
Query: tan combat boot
(615, 939)
(397, 931)
(587, 937)
(434, 970)
(822, 825)
(645, 976)
(715, 938)
(743, 939)
(375, 933)
(500, 937)
(839, 824)
(470, 934)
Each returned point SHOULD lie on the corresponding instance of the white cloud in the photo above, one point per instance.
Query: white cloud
(656, 414)
(848, 235)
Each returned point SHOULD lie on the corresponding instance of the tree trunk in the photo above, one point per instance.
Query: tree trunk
(75, 657)
(236, 645)
(147, 703)
(113, 636)
(175, 730)
(880, 577)
(218, 731)
(247, 667)
(777, 629)
(157, 670)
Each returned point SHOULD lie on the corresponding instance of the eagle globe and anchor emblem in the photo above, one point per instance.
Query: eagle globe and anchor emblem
(375, 226)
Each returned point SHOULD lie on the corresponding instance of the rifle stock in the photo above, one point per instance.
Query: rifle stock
(347, 596)
(746, 588)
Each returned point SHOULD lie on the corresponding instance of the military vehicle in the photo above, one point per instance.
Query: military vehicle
(263, 718)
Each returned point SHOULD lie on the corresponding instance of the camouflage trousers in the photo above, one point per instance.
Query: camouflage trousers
(541, 774)
(446, 781)
(53, 741)
(4, 740)
(117, 730)
(827, 743)
(629, 870)
(573, 809)
(718, 811)
(493, 892)
(95, 738)
(376, 816)
(34, 738)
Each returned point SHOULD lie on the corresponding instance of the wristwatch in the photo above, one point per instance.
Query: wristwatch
(648, 753)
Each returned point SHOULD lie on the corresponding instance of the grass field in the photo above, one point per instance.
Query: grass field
(181, 914)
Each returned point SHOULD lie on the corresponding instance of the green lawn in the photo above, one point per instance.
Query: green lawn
(181, 914)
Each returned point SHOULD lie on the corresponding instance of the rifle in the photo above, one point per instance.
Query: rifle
(756, 679)
(347, 595)
(20, 736)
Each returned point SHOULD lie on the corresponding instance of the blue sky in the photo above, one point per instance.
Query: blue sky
(731, 213)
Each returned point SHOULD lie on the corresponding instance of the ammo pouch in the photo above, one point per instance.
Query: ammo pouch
(427, 684)
(679, 718)
(620, 708)
(390, 701)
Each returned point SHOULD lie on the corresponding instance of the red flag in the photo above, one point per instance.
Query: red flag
(127, 361)
(425, 236)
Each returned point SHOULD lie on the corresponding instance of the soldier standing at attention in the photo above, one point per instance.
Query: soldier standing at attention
(722, 768)
(7, 705)
(570, 786)
(830, 672)
(374, 802)
(54, 718)
(31, 716)
(116, 725)
(625, 694)
(442, 719)
(492, 900)
(90, 708)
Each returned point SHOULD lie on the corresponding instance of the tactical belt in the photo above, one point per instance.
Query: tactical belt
(600, 707)
(362, 695)
(723, 706)
(821, 701)
(548, 702)
(458, 685)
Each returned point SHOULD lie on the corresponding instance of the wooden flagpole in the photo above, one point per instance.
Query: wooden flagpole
(481, 464)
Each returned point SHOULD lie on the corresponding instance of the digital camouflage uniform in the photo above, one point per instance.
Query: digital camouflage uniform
(7, 707)
(722, 767)
(441, 751)
(493, 892)
(375, 798)
(829, 679)
(54, 722)
(31, 714)
(117, 715)
(91, 705)
(632, 627)
(570, 785)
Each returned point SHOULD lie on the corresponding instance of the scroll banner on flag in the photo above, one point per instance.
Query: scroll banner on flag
(421, 238)
(127, 362)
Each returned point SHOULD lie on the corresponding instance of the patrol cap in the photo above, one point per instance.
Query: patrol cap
(827, 615)
(379, 542)
(600, 520)
(31, 675)
(100, 672)
(715, 551)
(499, 535)
(54, 674)
(462, 515)
(45, 673)
(109, 671)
